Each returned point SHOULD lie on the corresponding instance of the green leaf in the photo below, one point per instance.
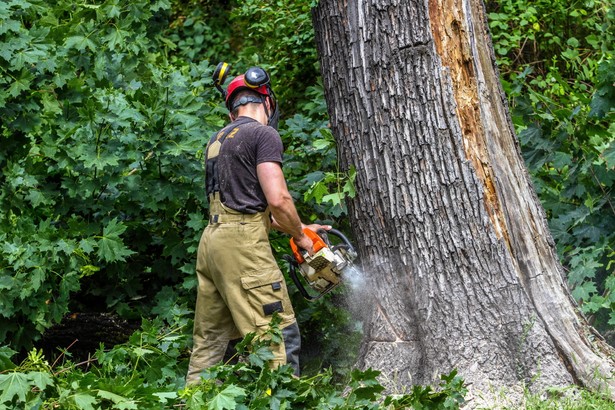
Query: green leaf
(260, 356)
(80, 43)
(5, 358)
(115, 398)
(13, 384)
(20, 84)
(140, 352)
(561, 159)
(317, 191)
(164, 397)
(368, 392)
(594, 304)
(111, 248)
(583, 268)
(40, 379)
(87, 245)
(84, 401)
(127, 405)
(334, 198)
(349, 185)
(116, 37)
(227, 398)
(600, 106)
(6, 282)
(585, 291)
(368, 376)
(196, 222)
(10, 25)
(609, 155)
(572, 42)
(322, 144)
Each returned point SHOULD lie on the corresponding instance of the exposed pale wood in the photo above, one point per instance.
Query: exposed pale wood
(461, 264)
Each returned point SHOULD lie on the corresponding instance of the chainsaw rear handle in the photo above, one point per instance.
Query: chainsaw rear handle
(292, 271)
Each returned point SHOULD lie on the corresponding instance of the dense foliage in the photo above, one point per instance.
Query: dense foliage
(557, 67)
(105, 107)
(101, 186)
(145, 373)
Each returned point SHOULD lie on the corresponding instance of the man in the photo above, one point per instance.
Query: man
(240, 284)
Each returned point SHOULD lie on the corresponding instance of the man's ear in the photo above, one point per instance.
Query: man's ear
(230, 115)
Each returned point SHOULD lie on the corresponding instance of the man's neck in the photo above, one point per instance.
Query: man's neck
(257, 113)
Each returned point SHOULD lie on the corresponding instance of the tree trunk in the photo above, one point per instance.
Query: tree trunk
(462, 268)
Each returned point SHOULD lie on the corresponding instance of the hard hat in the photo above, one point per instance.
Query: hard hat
(255, 79)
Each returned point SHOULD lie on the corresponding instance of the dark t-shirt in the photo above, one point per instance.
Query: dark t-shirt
(244, 147)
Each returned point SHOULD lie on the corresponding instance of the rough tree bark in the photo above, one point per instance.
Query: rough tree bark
(462, 267)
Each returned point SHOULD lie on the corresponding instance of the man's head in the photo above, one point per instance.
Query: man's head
(242, 98)
(252, 88)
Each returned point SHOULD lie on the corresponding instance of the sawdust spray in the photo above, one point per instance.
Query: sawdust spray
(354, 279)
(358, 295)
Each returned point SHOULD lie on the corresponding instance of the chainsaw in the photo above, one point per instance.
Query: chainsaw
(323, 270)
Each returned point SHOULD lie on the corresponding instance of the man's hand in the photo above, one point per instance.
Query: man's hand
(304, 242)
(317, 227)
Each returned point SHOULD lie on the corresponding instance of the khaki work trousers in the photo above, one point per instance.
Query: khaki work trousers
(240, 287)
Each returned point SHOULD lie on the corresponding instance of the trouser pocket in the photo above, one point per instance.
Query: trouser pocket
(267, 294)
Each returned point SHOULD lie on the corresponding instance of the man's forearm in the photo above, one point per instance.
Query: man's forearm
(285, 216)
(286, 219)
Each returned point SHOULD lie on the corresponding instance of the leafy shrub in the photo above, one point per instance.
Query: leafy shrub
(556, 60)
(148, 373)
(101, 175)
(144, 373)
(280, 37)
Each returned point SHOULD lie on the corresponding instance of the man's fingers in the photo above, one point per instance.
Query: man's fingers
(307, 245)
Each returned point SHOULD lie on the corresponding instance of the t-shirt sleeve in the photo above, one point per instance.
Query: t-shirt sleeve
(269, 146)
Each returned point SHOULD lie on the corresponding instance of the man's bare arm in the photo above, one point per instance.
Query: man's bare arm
(285, 216)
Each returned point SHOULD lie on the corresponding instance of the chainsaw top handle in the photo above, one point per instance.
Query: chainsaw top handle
(323, 233)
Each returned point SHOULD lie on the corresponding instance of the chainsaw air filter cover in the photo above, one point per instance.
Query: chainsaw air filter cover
(319, 270)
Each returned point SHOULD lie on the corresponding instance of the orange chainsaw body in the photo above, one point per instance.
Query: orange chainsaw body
(317, 241)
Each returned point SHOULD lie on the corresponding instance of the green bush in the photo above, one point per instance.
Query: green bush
(106, 107)
(101, 175)
(148, 373)
(558, 71)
